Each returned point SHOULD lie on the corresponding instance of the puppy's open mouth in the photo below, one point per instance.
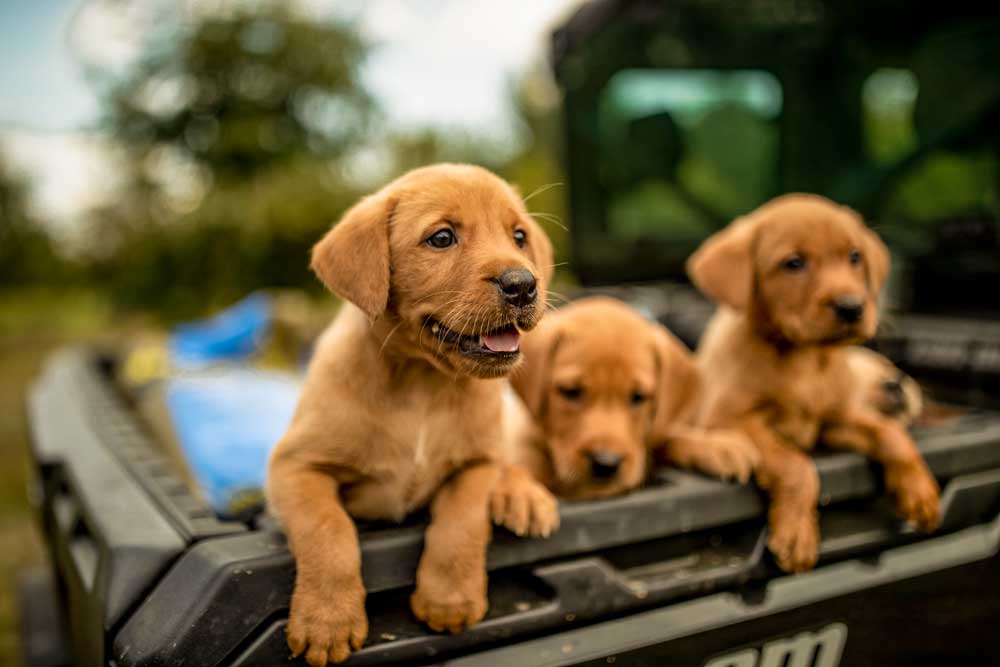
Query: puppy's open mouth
(499, 343)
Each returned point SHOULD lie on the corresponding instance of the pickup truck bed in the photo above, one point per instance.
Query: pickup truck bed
(676, 572)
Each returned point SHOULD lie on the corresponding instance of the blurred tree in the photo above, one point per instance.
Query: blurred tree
(537, 167)
(26, 251)
(239, 127)
(239, 92)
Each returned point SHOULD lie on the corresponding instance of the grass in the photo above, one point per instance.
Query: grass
(32, 324)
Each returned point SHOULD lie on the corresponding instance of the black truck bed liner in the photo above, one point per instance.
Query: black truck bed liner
(150, 576)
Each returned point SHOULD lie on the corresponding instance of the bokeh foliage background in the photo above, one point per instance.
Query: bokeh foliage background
(242, 137)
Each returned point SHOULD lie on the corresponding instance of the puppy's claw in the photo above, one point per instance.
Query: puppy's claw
(326, 632)
(523, 506)
(794, 541)
(448, 609)
(918, 497)
(728, 456)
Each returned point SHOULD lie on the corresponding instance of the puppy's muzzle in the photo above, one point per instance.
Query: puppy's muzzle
(604, 464)
(518, 287)
(848, 309)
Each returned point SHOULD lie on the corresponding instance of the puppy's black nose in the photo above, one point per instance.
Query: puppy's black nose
(518, 287)
(604, 464)
(895, 399)
(893, 388)
(848, 309)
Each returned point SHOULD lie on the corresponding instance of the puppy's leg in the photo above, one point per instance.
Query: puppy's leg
(907, 477)
(327, 617)
(523, 505)
(790, 478)
(723, 453)
(451, 576)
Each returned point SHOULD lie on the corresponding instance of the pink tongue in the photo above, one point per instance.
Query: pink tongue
(507, 341)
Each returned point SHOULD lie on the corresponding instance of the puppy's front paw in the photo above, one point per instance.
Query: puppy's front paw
(918, 498)
(794, 541)
(447, 604)
(729, 455)
(327, 627)
(524, 506)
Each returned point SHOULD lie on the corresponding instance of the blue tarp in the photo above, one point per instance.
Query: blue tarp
(234, 334)
(226, 422)
(226, 414)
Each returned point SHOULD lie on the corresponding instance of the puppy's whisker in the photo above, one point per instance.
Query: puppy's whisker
(559, 299)
(388, 336)
(479, 314)
(538, 191)
(451, 318)
(431, 296)
(448, 319)
(480, 310)
(459, 299)
(562, 298)
(555, 223)
(474, 316)
(549, 217)
(420, 334)
(552, 292)
(461, 303)
(456, 318)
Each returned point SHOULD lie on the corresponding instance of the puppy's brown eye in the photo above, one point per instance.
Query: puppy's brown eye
(441, 238)
(571, 393)
(854, 258)
(794, 264)
(520, 237)
(638, 398)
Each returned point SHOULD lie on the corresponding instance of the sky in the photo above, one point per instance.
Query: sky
(440, 63)
(435, 62)
(41, 86)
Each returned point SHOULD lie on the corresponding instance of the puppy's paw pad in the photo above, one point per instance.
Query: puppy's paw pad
(451, 611)
(795, 544)
(325, 632)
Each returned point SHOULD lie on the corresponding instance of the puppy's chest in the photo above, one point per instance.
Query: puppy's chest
(429, 453)
(412, 453)
(812, 392)
(805, 396)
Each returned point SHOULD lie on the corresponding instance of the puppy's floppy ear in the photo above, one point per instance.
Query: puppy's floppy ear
(352, 259)
(531, 379)
(877, 259)
(678, 382)
(540, 251)
(722, 268)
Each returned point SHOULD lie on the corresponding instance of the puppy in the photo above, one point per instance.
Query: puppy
(402, 403)
(798, 281)
(880, 384)
(605, 387)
